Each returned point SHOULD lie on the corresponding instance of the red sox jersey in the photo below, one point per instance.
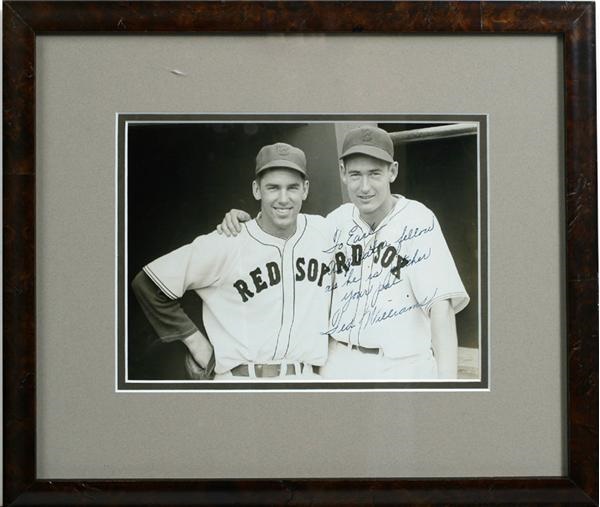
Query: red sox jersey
(265, 298)
(387, 279)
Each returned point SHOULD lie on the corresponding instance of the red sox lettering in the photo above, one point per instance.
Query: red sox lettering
(261, 279)
(383, 253)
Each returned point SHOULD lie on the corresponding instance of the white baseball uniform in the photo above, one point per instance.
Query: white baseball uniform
(265, 298)
(386, 281)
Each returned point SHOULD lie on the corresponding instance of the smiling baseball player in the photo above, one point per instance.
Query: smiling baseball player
(264, 292)
(396, 289)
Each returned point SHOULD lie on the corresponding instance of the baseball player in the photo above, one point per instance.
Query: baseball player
(264, 292)
(396, 288)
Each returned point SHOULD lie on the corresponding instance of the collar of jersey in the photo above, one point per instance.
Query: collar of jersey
(261, 236)
(401, 203)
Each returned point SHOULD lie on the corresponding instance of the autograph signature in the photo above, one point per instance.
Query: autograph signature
(372, 315)
(363, 297)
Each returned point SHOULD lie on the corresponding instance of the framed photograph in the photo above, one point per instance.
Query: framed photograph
(348, 292)
(334, 252)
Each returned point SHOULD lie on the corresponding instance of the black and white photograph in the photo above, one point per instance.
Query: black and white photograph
(301, 252)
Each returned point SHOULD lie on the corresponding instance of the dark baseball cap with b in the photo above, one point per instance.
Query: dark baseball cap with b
(280, 155)
(371, 141)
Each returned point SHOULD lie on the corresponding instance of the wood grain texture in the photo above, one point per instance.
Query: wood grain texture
(18, 254)
(533, 17)
(19, 332)
(572, 21)
(18, 94)
(581, 251)
(258, 16)
(517, 491)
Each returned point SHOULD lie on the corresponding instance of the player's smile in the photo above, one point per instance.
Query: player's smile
(368, 182)
(281, 192)
(366, 198)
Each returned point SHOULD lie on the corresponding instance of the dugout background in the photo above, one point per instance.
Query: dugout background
(183, 178)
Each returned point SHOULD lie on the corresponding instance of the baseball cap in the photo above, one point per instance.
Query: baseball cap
(371, 141)
(280, 155)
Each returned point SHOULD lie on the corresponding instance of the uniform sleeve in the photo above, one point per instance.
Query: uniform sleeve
(431, 269)
(166, 315)
(202, 263)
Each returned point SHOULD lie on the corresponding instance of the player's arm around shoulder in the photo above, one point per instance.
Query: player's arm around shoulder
(213, 238)
(233, 222)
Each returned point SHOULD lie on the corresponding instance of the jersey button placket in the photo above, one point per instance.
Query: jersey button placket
(366, 269)
(287, 283)
(351, 331)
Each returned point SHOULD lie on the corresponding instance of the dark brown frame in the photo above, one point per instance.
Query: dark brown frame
(572, 21)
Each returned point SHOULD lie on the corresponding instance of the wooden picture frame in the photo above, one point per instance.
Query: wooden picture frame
(572, 21)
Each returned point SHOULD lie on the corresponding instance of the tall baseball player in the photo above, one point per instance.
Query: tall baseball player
(264, 292)
(396, 289)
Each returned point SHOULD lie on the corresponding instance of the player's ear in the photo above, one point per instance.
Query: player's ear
(256, 190)
(305, 195)
(393, 171)
(342, 171)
